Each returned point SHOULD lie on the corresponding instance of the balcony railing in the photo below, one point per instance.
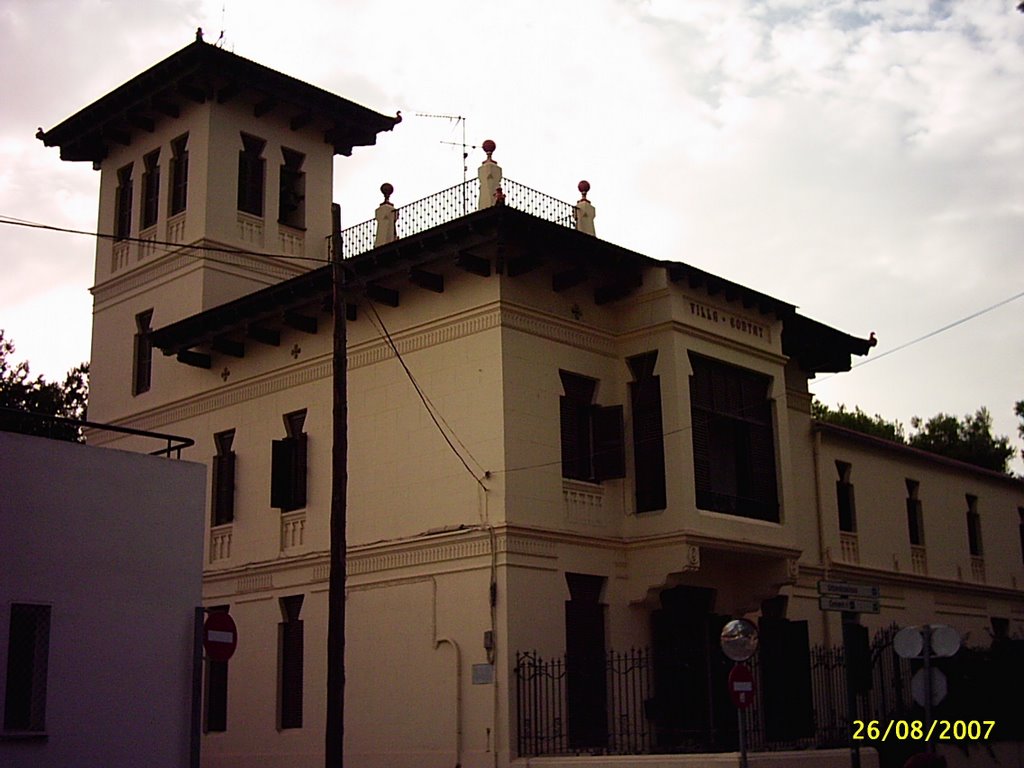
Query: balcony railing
(450, 204)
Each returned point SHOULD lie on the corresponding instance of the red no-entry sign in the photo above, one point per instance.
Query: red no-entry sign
(741, 686)
(220, 637)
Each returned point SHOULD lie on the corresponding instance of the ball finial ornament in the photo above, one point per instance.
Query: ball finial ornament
(488, 146)
(387, 190)
(583, 187)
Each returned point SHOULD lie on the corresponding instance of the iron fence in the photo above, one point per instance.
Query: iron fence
(448, 205)
(543, 717)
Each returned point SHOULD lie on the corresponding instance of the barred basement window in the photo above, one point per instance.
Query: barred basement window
(123, 204)
(28, 653)
(733, 440)
(915, 514)
(845, 499)
(179, 174)
(292, 188)
(973, 526)
(222, 501)
(142, 365)
(251, 170)
(591, 435)
(290, 662)
(215, 712)
(150, 188)
(648, 433)
(288, 465)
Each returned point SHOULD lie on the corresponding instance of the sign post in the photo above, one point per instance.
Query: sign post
(929, 684)
(739, 641)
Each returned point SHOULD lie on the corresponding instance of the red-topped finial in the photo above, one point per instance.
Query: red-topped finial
(489, 146)
(583, 187)
(387, 190)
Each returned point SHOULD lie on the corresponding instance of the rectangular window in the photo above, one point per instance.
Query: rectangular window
(251, 169)
(123, 204)
(150, 188)
(288, 466)
(292, 188)
(844, 498)
(28, 654)
(733, 440)
(973, 526)
(215, 712)
(222, 501)
(290, 662)
(915, 514)
(1020, 528)
(648, 433)
(591, 435)
(142, 370)
(179, 174)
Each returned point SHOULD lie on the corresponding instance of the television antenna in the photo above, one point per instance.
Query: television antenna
(465, 147)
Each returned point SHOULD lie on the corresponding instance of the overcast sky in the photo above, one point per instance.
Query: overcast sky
(863, 160)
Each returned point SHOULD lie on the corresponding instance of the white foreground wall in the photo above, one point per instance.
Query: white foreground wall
(112, 542)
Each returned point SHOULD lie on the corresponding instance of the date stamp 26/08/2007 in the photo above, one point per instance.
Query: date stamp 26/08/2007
(915, 730)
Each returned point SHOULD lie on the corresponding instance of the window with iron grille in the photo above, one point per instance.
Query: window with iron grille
(973, 526)
(292, 188)
(28, 653)
(591, 435)
(142, 365)
(251, 170)
(845, 498)
(648, 433)
(733, 440)
(215, 710)
(290, 662)
(288, 465)
(222, 501)
(915, 514)
(179, 174)
(150, 188)
(123, 203)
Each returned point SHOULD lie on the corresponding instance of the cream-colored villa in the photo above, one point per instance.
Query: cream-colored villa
(569, 464)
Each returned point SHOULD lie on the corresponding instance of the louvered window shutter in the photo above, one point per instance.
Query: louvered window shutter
(609, 459)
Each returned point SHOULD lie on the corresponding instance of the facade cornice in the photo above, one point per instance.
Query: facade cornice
(143, 277)
(906, 451)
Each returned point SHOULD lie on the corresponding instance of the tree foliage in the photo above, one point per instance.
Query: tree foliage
(859, 421)
(969, 439)
(21, 392)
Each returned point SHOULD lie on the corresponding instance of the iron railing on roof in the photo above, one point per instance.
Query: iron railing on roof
(450, 204)
(71, 430)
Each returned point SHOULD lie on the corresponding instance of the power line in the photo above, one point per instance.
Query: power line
(926, 336)
(166, 244)
(431, 409)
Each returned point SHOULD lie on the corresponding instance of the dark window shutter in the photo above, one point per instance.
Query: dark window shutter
(299, 472)
(223, 500)
(292, 652)
(568, 412)
(648, 444)
(763, 485)
(282, 471)
(609, 445)
(702, 456)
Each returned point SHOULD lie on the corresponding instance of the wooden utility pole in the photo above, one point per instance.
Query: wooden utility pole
(335, 730)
